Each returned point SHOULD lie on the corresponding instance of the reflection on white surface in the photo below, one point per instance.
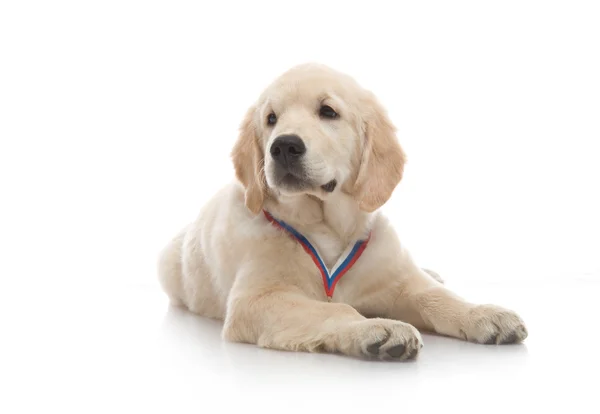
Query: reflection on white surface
(128, 350)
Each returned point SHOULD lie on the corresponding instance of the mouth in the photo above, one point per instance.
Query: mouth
(330, 186)
(292, 182)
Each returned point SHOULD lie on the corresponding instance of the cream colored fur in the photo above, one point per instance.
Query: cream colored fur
(232, 264)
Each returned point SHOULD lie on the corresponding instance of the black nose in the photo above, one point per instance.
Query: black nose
(286, 149)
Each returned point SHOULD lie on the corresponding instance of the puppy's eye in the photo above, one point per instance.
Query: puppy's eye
(271, 119)
(327, 112)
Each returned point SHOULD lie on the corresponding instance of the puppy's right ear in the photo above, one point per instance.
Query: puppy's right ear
(248, 161)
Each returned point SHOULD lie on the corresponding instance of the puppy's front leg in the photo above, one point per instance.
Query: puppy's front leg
(446, 313)
(286, 319)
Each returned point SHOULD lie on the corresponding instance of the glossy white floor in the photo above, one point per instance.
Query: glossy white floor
(128, 351)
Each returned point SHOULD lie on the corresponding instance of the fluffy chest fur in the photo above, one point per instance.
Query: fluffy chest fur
(329, 244)
(331, 227)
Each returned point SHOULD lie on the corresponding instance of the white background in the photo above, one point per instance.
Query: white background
(116, 122)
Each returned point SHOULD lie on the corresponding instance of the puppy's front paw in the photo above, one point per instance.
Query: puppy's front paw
(385, 339)
(489, 324)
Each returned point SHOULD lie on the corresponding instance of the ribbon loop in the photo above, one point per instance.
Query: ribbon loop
(346, 261)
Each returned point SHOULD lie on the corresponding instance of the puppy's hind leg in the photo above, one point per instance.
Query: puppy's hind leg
(170, 269)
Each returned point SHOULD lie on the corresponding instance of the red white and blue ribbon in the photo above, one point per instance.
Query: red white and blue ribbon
(345, 262)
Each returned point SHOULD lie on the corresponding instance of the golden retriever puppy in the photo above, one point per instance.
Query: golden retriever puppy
(294, 255)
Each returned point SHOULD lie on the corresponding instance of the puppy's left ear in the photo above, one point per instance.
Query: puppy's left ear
(248, 161)
(382, 163)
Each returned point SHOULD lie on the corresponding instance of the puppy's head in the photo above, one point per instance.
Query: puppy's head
(316, 131)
